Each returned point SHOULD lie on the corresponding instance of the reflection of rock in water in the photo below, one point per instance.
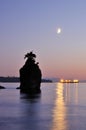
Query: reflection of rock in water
(30, 75)
(34, 97)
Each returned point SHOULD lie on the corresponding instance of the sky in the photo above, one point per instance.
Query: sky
(27, 25)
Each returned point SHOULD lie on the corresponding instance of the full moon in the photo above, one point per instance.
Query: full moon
(58, 30)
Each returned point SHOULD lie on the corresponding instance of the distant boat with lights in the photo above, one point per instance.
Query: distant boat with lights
(69, 81)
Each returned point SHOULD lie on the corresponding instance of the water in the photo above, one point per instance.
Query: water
(58, 107)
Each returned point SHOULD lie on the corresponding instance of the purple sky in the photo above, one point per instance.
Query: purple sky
(27, 25)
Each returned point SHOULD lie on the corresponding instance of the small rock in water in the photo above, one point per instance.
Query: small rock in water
(1, 87)
(18, 88)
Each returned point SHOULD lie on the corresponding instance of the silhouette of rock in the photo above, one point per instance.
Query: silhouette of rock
(30, 75)
(1, 87)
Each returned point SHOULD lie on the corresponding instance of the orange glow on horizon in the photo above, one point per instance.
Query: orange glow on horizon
(69, 81)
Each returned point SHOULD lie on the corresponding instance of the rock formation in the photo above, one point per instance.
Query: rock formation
(30, 75)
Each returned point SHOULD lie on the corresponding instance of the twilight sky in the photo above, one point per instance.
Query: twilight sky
(27, 25)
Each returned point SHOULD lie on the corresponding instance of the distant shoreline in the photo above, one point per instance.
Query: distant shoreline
(17, 80)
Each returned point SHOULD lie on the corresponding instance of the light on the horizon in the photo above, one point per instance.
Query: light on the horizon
(69, 81)
(75, 80)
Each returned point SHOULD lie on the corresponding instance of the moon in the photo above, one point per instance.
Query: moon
(58, 30)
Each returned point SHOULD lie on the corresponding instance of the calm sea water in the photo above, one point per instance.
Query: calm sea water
(58, 107)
